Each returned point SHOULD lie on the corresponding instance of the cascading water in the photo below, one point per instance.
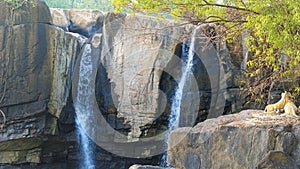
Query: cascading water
(82, 108)
(86, 149)
(245, 35)
(176, 101)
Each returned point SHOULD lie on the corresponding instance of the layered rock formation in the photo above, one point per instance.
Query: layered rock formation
(250, 139)
(26, 75)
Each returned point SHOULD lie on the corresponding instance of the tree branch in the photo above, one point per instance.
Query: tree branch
(227, 6)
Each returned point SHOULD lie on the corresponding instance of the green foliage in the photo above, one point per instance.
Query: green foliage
(103, 5)
(18, 3)
(274, 44)
(273, 27)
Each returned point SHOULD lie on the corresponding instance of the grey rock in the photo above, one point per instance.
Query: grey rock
(37, 12)
(234, 141)
(277, 160)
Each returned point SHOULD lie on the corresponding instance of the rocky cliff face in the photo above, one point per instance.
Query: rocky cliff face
(250, 139)
(26, 75)
(138, 68)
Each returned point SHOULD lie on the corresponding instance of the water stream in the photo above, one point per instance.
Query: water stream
(86, 148)
(82, 108)
(174, 118)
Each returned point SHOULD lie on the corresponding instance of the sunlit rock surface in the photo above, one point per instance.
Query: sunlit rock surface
(243, 140)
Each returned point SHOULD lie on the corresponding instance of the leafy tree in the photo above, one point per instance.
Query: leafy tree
(273, 27)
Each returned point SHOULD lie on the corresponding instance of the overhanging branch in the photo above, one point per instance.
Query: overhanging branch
(227, 6)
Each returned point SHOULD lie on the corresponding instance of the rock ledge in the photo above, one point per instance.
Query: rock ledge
(242, 140)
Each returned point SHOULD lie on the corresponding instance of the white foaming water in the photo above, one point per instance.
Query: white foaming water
(86, 150)
(176, 101)
(82, 108)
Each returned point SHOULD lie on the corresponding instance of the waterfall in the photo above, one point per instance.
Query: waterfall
(176, 100)
(82, 108)
(245, 51)
(86, 149)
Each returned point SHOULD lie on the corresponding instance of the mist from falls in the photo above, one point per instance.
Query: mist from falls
(187, 56)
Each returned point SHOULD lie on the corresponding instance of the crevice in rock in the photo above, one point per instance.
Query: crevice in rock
(88, 31)
(106, 102)
(66, 120)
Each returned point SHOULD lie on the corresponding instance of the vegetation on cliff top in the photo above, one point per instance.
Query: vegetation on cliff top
(272, 29)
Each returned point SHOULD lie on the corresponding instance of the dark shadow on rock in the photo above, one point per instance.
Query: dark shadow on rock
(277, 160)
(89, 31)
(168, 85)
(106, 102)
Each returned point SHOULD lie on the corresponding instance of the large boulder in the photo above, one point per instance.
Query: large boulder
(136, 49)
(240, 140)
(83, 21)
